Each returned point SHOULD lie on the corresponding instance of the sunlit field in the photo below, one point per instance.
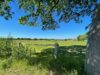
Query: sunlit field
(37, 57)
(40, 45)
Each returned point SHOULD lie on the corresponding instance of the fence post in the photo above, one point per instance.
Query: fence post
(56, 47)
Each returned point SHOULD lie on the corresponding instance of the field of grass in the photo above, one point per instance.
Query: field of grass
(31, 43)
(43, 61)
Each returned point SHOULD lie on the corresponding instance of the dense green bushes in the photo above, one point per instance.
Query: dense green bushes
(6, 47)
(10, 51)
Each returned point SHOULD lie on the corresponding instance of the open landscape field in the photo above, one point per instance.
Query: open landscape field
(49, 37)
(40, 45)
(37, 57)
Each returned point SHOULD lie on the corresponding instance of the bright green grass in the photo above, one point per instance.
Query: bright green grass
(30, 43)
(22, 68)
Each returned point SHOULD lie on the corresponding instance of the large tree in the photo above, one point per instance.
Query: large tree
(66, 10)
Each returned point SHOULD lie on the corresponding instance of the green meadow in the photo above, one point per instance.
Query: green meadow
(38, 44)
(36, 57)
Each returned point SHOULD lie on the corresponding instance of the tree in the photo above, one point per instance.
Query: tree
(5, 9)
(66, 10)
(44, 10)
(93, 46)
(82, 37)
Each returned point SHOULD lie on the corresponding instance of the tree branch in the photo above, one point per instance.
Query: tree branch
(54, 5)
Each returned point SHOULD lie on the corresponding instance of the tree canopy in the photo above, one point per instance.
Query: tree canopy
(82, 37)
(45, 10)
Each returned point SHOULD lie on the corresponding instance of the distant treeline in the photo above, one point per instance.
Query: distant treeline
(34, 39)
(82, 37)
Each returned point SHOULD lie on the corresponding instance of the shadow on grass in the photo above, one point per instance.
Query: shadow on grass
(69, 59)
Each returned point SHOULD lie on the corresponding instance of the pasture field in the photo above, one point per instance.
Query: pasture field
(38, 44)
(18, 60)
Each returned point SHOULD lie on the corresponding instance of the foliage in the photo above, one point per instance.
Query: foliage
(45, 10)
(5, 9)
(6, 47)
(10, 49)
(19, 52)
(82, 37)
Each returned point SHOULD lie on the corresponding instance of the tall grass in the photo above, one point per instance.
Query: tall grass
(19, 57)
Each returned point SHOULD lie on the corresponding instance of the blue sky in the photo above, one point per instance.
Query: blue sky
(66, 30)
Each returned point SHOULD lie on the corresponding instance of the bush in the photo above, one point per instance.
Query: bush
(5, 47)
(17, 50)
(20, 52)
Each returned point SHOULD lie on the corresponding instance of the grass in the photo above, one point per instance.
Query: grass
(31, 43)
(43, 61)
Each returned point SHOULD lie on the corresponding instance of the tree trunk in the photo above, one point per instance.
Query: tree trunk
(93, 52)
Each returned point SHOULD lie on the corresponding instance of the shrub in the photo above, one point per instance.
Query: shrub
(19, 52)
(5, 47)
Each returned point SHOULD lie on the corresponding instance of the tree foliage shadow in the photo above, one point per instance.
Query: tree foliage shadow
(69, 58)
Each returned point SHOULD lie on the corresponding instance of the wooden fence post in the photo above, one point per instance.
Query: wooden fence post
(56, 47)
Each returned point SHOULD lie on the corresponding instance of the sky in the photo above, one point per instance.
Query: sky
(66, 30)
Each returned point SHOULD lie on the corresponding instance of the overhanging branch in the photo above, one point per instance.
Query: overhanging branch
(54, 5)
